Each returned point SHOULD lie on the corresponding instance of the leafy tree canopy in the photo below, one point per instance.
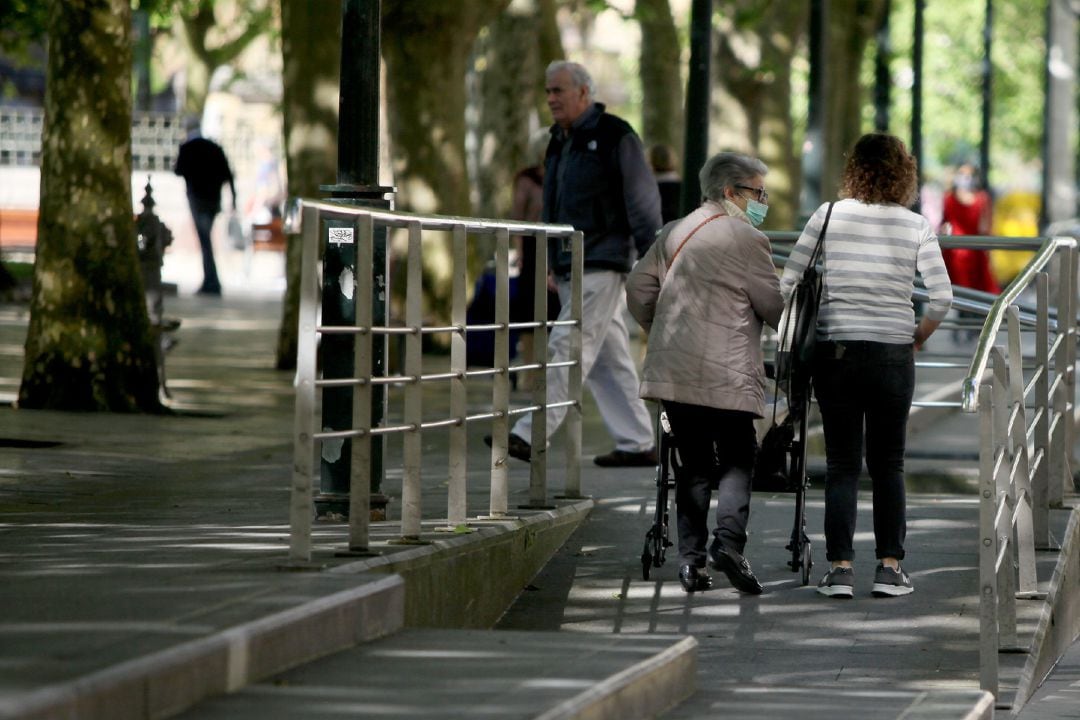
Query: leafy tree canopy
(22, 24)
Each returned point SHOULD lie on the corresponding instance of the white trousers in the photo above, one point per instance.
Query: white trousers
(608, 369)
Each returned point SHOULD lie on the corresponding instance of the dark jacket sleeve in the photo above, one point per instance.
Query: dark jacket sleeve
(180, 168)
(640, 192)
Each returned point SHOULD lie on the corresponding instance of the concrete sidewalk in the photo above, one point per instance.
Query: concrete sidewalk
(138, 552)
(125, 536)
(789, 649)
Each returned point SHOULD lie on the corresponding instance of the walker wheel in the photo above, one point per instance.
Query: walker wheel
(807, 561)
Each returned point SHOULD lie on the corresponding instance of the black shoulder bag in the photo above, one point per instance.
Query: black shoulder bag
(798, 329)
(794, 359)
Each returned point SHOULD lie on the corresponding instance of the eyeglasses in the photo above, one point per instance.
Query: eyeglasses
(762, 196)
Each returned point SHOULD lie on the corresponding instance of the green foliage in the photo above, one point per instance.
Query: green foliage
(598, 6)
(22, 24)
(953, 77)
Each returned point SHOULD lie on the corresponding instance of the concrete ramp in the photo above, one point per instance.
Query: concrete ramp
(478, 674)
(732, 701)
(140, 670)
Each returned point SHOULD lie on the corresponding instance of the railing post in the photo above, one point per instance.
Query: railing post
(988, 605)
(363, 344)
(412, 453)
(1005, 503)
(301, 507)
(1070, 385)
(573, 414)
(1021, 481)
(456, 510)
(500, 425)
(1060, 472)
(1040, 486)
(538, 463)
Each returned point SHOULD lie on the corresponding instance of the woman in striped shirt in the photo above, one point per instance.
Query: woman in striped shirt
(864, 366)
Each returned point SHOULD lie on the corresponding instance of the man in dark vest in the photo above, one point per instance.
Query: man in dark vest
(596, 179)
(202, 164)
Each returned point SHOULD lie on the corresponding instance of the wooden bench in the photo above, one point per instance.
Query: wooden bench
(18, 229)
(268, 236)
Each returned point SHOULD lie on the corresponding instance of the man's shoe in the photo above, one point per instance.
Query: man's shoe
(838, 583)
(625, 458)
(891, 583)
(693, 579)
(736, 567)
(515, 447)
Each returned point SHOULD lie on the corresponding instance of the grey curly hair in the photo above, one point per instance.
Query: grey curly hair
(728, 169)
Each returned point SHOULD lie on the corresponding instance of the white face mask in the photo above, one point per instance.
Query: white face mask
(756, 212)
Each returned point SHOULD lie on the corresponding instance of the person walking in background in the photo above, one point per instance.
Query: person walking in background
(702, 292)
(597, 180)
(268, 195)
(205, 169)
(665, 168)
(527, 205)
(967, 210)
(864, 364)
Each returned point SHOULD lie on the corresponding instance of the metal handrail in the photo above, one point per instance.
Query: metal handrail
(306, 217)
(1024, 456)
(401, 219)
(969, 393)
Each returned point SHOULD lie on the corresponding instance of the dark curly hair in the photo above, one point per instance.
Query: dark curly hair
(880, 170)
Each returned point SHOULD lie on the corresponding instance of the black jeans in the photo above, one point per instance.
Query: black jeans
(864, 385)
(716, 450)
(204, 213)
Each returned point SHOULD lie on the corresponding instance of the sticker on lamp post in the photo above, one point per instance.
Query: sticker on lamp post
(341, 236)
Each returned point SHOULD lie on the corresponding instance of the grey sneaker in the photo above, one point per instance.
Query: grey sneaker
(890, 583)
(838, 583)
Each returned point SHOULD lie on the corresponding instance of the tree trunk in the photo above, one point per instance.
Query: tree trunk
(756, 42)
(776, 139)
(312, 66)
(88, 346)
(505, 74)
(426, 47)
(851, 26)
(551, 47)
(661, 76)
(197, 22)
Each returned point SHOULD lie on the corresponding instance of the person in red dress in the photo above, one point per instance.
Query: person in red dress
(967, 210)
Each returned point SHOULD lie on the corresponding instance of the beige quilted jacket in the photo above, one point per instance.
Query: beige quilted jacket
(704, 312)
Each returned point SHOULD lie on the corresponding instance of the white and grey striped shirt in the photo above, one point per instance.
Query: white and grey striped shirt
(870, 255)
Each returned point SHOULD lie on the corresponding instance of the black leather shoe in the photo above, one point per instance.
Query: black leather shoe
(736, 567)
(515, 447)
(625, 458)
(693, 579)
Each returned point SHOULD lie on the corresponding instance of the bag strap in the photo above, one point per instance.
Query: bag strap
(809, 266)
(817, 247)
(702, 224)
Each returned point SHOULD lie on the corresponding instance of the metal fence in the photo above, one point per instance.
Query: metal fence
(155, 138)
(1024, 393)
(364, 224)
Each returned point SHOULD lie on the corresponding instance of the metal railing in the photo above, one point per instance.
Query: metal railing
(155, 138)
(939, 398)
(364, 222)
(1026, 431)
